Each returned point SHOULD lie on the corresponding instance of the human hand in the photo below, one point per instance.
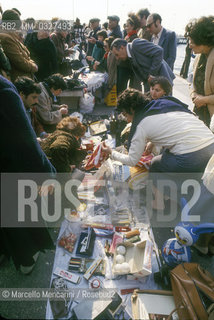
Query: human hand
(45, 190)
(63, 106)
(96, 63)
(63, 110)
(72, 166)
(148, 148)
(90, 58)
(106, 149)
(34, 67)
(200, 101)
(92, 40)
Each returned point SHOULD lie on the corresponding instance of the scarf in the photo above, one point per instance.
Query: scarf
(130, 34)
(159, 106)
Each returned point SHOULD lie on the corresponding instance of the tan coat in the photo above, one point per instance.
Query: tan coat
(209, 80)
(18, 55)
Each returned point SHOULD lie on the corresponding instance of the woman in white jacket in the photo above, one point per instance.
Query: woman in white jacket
(166, 122)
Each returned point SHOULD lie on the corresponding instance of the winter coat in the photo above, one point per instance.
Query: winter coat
(63, 150)
(18, 55)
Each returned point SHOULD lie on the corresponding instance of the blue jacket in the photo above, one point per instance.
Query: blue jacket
(116, 32)
(147, 59)
(98, 53)
(168, 42)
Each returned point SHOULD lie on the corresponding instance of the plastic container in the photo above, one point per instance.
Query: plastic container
(111, 99)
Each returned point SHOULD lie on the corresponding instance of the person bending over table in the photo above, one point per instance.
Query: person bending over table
(165, 122)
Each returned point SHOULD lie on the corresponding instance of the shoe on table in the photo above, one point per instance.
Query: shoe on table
(28, 269)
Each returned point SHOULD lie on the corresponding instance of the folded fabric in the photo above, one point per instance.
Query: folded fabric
(96, 159)
(145, 161)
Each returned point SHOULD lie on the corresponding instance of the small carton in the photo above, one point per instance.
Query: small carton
(139, 257)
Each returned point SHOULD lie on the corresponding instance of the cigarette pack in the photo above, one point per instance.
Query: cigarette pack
(74, 278)
(86, 243)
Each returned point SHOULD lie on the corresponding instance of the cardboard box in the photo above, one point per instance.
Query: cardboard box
(153, 304)
(139, 257)
(71, 98)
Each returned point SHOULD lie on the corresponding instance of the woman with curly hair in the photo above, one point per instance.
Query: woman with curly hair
(166, 122)
(62, 147)
(201, 36)
(132, 27)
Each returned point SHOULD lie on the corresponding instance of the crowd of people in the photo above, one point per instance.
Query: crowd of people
(32, 69)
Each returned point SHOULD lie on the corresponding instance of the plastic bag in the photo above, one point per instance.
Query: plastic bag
(87, 103)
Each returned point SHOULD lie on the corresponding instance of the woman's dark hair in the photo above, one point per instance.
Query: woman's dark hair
(27, 86)
(102, 33)
(201, 31)
(56, 82)
(105, 25)
(118, 43)
(72, 125)
(109, 40)
(133, 20)
(131, 100)
(164, 84)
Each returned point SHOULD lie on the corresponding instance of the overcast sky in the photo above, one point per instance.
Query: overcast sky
(175, 14)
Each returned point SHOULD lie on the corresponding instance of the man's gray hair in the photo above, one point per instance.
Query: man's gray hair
(117, 43)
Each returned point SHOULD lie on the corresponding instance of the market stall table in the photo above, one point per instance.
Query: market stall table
(110, 282)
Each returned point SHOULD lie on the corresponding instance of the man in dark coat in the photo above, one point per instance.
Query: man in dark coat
(114, 27)
(20, 153)
(92, 37)
(43, 52)
(146, 59)
(163, 37)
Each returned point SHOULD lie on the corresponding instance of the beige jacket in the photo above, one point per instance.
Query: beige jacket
(209, 80)
(47, 112)
(18, 55)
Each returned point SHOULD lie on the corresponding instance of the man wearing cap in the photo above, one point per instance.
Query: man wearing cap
(92, 37)
(114, 27)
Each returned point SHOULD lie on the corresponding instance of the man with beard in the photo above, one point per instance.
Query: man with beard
(29, 92)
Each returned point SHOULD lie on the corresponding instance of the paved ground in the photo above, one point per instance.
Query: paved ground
(40, 277)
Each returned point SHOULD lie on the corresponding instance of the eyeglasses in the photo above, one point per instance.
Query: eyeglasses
(149, 25)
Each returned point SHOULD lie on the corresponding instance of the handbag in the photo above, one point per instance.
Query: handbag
(193, 291)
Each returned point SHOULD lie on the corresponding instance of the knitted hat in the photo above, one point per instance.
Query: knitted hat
(10, 15)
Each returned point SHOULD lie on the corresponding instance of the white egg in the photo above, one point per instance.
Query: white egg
(119, 258)
(125, 268)
(121, 250)
(117, 268)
